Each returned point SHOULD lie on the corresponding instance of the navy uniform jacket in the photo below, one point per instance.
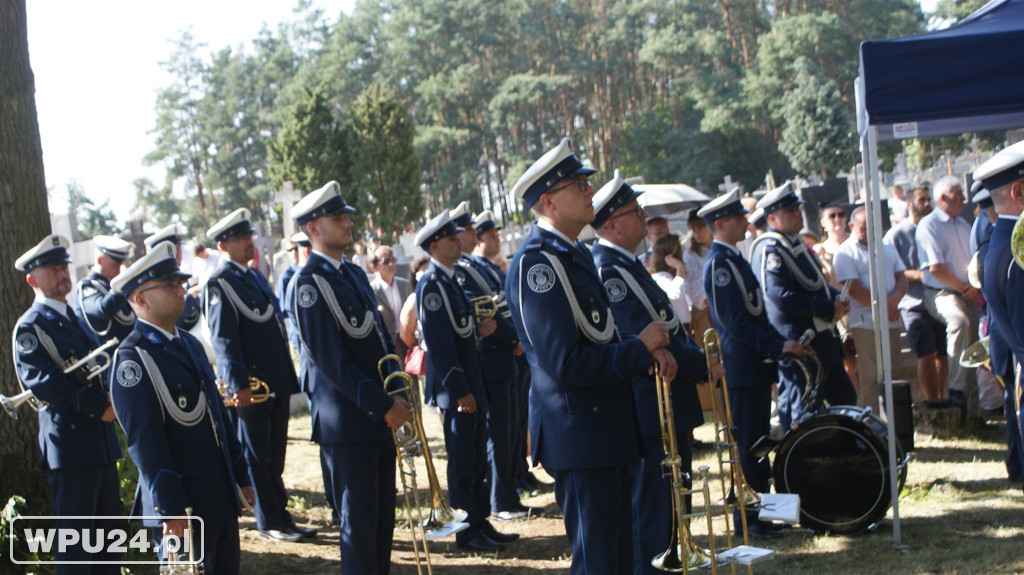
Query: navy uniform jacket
(581, 404)
(246, 330)
(449, 334)
(1003, 283)
(343, 337)
(750, 344)
(794, 307)
(193, 312)
(1000, 357)
(178, 429)
(71, 433)
(496, 349)
(623, 276)
(104, 311)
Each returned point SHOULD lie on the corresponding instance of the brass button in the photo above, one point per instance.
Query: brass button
(595, 409)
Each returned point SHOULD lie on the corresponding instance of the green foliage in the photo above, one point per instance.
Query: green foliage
(93, 220)
(11, 545)
(384, 173)
(310, 149)
(817, 135)
(127, 474)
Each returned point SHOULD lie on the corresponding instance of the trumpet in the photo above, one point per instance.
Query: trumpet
(739, 494)
(260, 391)
(99, 360)
(484, 307)
(175, 566)
(442, 520)
(683, 553)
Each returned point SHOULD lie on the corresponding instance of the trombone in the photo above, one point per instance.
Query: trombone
(260, 392)
(739, 490)
(408, 444)
(683, 553)
(100, 360)
(442, 520)
(179, 566)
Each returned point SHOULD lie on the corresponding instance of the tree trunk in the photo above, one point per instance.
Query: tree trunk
(25, 219)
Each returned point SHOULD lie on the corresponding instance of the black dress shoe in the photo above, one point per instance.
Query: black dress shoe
(758, 530)
(495, 535)
(303, 531)
(480, 543)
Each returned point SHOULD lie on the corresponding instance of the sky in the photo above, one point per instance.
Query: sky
(97, 72)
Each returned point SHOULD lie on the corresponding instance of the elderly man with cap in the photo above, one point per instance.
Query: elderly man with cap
(343, 337)
(178, 430)
(497, 356)
(1003, 280)
(248, 336)
(751, 346)
(76, 433)
(636, 300)
(455, 380)
(583, 427)
(798, 299)
(174, 234)
(105, 312)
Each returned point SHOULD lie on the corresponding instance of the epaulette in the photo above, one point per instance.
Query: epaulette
(556, 245)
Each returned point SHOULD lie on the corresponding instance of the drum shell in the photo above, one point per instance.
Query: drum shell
(837, 460)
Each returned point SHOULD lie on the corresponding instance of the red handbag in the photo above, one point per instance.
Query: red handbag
(416, 361)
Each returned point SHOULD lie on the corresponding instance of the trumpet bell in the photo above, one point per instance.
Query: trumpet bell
(671, 559)
(11, 404)
(976, 355)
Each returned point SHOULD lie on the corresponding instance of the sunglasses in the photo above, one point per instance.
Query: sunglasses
(387, 261)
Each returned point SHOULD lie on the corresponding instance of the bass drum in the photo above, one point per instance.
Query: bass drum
(837, 460)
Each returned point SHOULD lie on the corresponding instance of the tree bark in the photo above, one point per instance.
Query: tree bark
(24, 218)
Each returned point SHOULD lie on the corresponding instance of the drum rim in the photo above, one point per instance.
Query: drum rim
(821, 422)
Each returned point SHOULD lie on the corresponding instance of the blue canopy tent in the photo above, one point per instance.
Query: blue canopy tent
(962, 79)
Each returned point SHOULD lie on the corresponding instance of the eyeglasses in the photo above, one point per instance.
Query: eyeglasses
(387, 261)
(640, 212)
(582, 184)
(169, 285)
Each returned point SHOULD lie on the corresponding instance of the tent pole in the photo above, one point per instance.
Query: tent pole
(873, 184)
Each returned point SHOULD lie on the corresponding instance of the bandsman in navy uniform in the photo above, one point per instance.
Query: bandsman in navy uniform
(487, 250)
(178, 430)
(105, 312)
(751, 346)
(455, 380)
(1003, 279)
(497, 350)
(583, 428)
(797, 297)
(636, 300)
(286, 292)
(343, 337)
(248, 337)
(1000, 357)
(76, 433)
(174, 233)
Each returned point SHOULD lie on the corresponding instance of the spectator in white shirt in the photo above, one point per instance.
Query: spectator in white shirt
(204, 262)
(852, 263)
(898, 205)
(693, 258)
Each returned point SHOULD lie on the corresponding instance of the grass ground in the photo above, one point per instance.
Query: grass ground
(959, 514)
